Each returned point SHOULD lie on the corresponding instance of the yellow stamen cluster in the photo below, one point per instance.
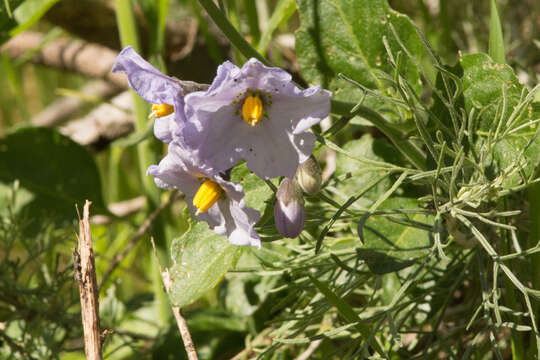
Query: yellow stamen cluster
(161, 110)
(252, 110)
(206, 196)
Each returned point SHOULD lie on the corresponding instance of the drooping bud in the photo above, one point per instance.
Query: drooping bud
(252, 110)
(206, 196)
(289, 212)
(309, 176)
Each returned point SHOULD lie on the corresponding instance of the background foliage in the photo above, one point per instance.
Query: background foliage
(423, 243)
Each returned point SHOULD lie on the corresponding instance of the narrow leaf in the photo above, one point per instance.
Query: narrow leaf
(496, 41)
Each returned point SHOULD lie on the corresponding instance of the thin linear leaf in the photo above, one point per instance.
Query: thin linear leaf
(496, 40)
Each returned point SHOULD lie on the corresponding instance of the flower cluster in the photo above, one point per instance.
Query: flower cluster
(253, 113)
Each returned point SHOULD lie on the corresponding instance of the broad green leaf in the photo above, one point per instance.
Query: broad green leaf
(51, 165)
(483, 84)
(352, 175)
(201, 259)
(344, 36)
(393, 241)
(501, 105)
(257, 193)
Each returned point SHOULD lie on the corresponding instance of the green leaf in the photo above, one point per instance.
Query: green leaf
(483, 85)
(353, 175)
(493, 91)
(339, 36)
(394, 241)
(257, 193)
(496, 41)
(29, 12)
(7, 20)
(201, 259)
(283, 11)
(51, 165)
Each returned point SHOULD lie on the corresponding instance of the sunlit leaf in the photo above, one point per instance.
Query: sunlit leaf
(201, 259)
(339, 36)
(394, 241)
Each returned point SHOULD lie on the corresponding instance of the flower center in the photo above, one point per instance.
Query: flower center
(206, 196)
(252, 110)
(161, 110)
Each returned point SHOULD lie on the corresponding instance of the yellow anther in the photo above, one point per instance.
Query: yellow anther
(252, 110)
(206, 196)
(161, 110)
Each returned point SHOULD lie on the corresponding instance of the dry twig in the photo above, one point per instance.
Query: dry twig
(74, 55)
(180, 321)
(85, 272)
(63, 108)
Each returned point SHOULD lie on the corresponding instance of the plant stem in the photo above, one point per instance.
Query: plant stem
(128, 36)
(236, 39)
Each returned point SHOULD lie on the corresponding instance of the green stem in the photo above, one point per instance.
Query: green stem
(397, 138)
(236, 39)
(145, 156)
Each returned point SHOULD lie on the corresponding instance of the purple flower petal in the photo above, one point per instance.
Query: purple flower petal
(277, 143)
(146, 80)
(229, 216)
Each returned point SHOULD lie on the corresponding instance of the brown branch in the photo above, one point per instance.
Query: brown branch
(104, 124)
(137, 236)
(120, 209)
(63, 108)
(180, 321)
(74, 55)
(100, 25)
(85, 273)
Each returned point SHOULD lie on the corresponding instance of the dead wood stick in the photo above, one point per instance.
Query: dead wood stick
(63, 108)
(85, 273)
(180, 321)
(70, 54)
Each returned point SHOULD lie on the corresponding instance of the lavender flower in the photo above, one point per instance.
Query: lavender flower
(255, 113)
(289, 212)
(164, 92)
(210, 198)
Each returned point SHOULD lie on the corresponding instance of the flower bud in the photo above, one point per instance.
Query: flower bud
(289, 209)
(309, 176)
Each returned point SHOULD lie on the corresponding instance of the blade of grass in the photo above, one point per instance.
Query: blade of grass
(250, 6)
(496, 41)
(228, 29)
(283, 11)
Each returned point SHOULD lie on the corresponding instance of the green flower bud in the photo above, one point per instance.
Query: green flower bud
(309, 176)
